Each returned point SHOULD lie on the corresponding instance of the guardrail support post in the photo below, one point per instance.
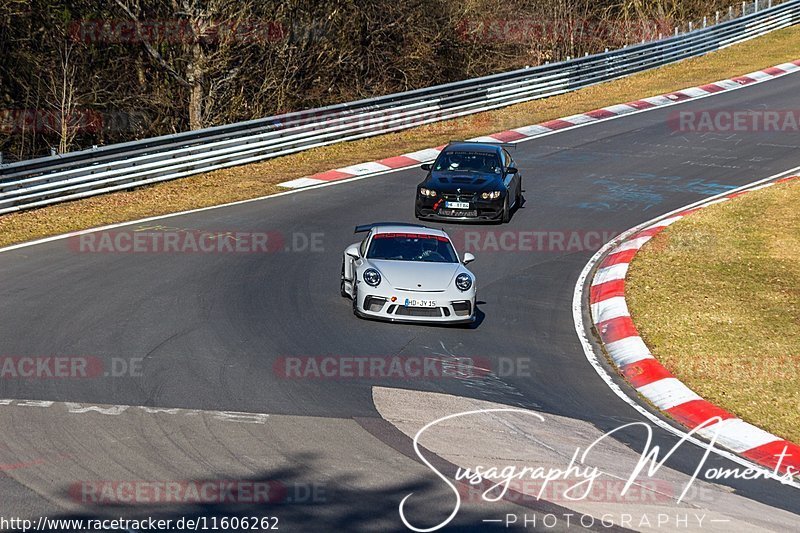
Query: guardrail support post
(755, 6)
(717, 17)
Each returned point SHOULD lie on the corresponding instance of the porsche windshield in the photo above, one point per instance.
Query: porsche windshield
(462, 161)
(412, 247)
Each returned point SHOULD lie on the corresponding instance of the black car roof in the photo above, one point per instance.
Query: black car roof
(473, 147)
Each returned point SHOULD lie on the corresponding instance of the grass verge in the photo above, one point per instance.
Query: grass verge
(261, 179)
(716, 298)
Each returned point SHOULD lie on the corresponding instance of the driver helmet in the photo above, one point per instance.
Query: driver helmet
(455, 161)
(430, 245)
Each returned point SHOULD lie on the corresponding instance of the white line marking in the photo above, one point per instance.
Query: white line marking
(116, 410)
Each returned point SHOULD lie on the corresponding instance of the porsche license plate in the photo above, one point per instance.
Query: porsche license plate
(419, 303)
(457, 205)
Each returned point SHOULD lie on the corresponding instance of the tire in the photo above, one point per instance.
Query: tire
(506, 212)
(341, 288)
(355, 302)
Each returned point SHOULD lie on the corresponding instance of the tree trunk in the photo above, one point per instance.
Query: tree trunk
(196, 89)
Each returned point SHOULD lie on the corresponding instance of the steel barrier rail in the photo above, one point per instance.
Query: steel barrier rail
(74, 175)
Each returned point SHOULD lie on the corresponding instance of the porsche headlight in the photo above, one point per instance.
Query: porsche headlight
(463, 282)
(427, 192)
(372, 277)
(490, 195)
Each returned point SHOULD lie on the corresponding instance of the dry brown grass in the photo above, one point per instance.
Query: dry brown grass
(716, 297)
(261, 179)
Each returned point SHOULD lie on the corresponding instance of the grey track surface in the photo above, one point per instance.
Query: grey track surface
(211, 326)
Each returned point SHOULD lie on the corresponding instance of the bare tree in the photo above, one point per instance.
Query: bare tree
(61, 115)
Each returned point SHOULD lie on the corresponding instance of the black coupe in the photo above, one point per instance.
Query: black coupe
(470, 181)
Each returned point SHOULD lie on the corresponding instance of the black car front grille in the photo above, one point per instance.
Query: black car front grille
(460, 197)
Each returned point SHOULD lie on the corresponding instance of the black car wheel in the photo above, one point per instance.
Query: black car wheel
(506, 211)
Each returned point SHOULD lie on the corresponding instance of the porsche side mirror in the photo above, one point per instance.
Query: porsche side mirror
(468, 258)
(426, 166)
(353, 253)
(512, 170)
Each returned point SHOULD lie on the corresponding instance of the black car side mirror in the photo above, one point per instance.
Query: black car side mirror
(426, 166)
(512, 170)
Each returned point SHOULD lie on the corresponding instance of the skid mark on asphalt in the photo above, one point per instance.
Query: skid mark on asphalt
(645, 191)
(485, 383)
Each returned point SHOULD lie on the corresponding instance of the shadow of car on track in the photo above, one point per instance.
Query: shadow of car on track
(332, 504)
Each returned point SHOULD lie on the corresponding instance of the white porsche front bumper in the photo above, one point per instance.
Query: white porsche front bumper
(385, 303)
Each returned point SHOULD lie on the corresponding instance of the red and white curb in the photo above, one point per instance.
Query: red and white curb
(653, 381)
(546, 128)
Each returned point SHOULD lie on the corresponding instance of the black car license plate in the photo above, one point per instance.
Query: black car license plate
(457, 213)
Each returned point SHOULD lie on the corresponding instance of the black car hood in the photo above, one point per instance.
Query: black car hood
(468, 182)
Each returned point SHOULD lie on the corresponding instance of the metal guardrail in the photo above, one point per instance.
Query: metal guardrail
(43, 181)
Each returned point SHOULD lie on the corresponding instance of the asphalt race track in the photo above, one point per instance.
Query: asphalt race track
(211, 330)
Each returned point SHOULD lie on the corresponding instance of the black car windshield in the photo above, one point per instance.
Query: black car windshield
(412, 247)
(463, 161)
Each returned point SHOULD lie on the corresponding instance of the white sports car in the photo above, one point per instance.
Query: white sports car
(410, 273)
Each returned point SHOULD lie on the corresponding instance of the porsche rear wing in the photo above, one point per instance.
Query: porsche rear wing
(367, 227)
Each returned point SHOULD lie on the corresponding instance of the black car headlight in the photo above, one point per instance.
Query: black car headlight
(372, 277)
(427, 192)
(463, 282)
(492, 195)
